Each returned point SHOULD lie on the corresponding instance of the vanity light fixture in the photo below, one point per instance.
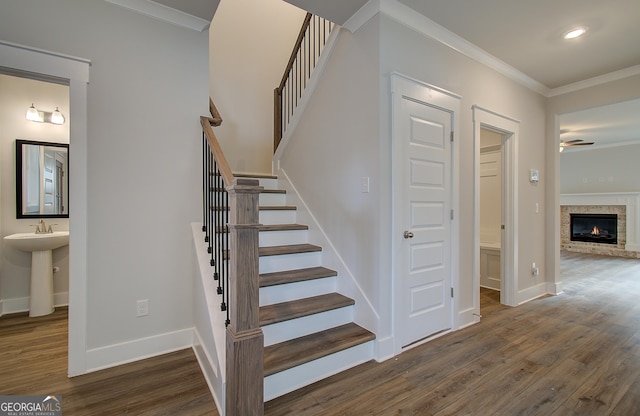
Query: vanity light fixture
(55, 117)
(574, 33)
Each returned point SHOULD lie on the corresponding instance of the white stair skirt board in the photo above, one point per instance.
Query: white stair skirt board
(269, 264)
(287, 381)
(277, 216)
(281, 238)
(299, 290)
(295, 328)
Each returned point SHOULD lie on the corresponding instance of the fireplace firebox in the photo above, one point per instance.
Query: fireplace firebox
(594, 228)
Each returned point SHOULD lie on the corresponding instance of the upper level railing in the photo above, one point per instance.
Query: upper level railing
(230, 224)
(311, 40)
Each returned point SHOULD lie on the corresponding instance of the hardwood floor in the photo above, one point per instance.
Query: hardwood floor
(33, 361)
(573, 354)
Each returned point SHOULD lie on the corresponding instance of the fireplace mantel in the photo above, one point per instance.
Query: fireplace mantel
(629, 199)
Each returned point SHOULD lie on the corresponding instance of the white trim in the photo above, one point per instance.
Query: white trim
(163, 13)
(592, 82)
(76, 70)
(312, 84)
(362, 16)
(422, 24)
(531, 293)
(427, 27)
(509, 127)
(209, 371)
(447, 101)
(139, 349)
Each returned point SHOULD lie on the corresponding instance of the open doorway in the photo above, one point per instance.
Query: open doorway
(498, 237)
(491, 200)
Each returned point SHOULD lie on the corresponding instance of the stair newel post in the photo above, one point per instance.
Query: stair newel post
(244, 343)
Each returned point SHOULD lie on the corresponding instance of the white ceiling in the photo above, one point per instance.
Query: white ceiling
(526, 34)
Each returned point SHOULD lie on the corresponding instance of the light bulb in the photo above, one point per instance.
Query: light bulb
(33, 115)
(57, 117)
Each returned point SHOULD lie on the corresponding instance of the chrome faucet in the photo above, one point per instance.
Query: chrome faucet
(41, 228)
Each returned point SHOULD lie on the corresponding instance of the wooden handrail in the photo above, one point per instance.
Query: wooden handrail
(223, 165)
(216, 118)
(296, 48)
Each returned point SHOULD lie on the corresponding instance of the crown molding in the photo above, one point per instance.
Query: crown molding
(592, 82)
(163, 13)
(427, 27)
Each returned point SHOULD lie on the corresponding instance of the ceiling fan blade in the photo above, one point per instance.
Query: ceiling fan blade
(580, 144)
(572, 141)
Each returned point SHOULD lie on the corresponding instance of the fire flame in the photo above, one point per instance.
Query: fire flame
(595, 231)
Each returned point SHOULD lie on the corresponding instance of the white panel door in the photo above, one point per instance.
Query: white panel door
(422, 135)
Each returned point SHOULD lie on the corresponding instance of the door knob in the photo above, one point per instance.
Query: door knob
(408, 234)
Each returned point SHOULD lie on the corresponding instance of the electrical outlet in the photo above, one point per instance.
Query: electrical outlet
(535, 270)
(142, 308)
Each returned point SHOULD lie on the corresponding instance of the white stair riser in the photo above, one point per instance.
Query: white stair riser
(299, 290)
(274, 238)
(295, 328)
(267, 183)
(287, 381)
(277, 217)
(272, 199)
(281, 238)
(269, 264)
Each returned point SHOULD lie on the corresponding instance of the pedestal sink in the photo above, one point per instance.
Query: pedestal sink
(41, 247)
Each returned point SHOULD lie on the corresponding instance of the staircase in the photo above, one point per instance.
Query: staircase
(308, 327)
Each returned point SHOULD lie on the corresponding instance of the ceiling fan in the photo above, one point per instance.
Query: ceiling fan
(574, 142)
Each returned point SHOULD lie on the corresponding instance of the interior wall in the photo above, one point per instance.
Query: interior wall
(334, 146)
(16, 95)
(420, 57)
(250, 44)
(148, 86)
(608, 169)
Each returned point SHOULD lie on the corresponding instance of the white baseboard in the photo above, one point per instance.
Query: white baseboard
(554, 288)
(18, 305)
(15, 305)
(139, 349)
(467, 318)
(531, 293)
(383, 349)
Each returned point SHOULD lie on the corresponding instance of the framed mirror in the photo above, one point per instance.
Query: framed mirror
(42, 179)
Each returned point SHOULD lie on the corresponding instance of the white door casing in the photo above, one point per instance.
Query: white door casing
(509, 128)
(423, 185)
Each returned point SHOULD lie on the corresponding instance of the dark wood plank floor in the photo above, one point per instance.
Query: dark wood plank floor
(573, 354)
(33, 361)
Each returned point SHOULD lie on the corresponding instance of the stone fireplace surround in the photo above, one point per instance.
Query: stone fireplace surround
(625, 205)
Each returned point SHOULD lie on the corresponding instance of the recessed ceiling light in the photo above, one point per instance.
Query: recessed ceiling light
(576, 32)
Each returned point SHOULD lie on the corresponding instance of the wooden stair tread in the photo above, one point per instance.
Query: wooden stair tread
(262, 208)
(272, 227)
(254, 175)
(281, 250)
(280, 312)
(282, 227)
(288, 354)
(263, 191)
(288, 249)
(291, 276)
